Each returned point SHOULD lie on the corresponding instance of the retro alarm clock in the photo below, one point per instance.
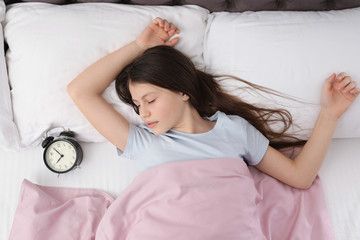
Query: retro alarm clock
(61, 153)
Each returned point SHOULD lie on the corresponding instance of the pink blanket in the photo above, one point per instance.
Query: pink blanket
(202, 199)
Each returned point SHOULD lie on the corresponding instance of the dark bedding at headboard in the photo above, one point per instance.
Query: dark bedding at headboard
(230, 5)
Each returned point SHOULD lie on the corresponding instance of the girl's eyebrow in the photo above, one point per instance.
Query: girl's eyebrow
(146, 94)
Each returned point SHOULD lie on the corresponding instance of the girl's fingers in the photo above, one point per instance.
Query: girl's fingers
(168, 27)
(355, 91)
(176, 30)
(158, 21)
(173, 42)
(343, 82)
(349, 87)
(346, 84)
(329, 82)
(161, 22)
(340, 76)
(173, 29)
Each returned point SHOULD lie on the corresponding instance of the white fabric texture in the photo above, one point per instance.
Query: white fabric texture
(291, 52)
(56, 43)
(8, 131)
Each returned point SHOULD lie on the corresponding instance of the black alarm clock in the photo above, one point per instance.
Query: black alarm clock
(62, 153)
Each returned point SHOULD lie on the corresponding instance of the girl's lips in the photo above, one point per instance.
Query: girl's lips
(151, 124)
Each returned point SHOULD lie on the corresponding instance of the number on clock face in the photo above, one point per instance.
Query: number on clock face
(60, 156)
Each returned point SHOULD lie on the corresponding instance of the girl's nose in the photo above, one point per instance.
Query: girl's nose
(144, 112)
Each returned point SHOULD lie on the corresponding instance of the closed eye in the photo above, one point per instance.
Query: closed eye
(152, 101)
(138, 106)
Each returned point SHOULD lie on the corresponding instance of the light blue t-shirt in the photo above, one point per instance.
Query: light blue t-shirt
(231, 137)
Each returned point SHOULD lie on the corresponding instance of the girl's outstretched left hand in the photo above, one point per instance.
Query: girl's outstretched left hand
(338, 94)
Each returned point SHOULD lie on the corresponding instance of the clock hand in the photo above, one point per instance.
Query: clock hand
(61, 156)
(57, 151)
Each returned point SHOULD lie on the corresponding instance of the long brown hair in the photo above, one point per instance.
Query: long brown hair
(168, 68)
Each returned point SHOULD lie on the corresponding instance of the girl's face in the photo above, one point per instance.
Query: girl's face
(160, 108)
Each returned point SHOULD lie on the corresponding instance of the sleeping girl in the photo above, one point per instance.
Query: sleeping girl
(187, 115)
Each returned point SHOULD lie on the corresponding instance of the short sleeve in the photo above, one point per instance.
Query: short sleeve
(257, 144)
(139, 139)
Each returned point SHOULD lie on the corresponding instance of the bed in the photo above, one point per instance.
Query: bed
(290, 46)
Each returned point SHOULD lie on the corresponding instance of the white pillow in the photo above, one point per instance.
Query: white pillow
(292, 52)
(49, 45)
(8, 131)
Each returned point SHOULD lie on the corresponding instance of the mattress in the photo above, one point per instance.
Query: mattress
(104, 170)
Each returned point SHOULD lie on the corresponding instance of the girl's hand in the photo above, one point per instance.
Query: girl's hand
(158, 32)
(338, 94)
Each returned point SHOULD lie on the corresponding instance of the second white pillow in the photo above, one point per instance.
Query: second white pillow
(292, 52)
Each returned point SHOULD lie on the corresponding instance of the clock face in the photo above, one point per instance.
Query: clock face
(60, 156)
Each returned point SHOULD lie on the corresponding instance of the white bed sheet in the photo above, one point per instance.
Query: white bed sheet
(103, 169)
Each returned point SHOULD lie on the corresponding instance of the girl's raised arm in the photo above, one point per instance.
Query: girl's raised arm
(86, 89)
(337, 96)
